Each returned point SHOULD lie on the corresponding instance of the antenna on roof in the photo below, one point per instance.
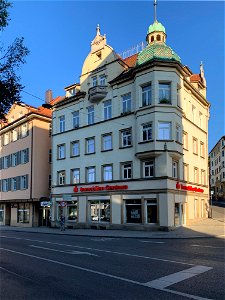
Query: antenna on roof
(155, 15)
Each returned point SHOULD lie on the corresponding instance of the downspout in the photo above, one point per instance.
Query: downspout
(31, 173)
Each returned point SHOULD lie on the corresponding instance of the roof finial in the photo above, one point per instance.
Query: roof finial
(155, 4)
(98, 29)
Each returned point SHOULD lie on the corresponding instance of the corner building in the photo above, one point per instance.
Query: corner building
(130, 140)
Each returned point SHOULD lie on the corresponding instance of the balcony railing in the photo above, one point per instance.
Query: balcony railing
(97, 93)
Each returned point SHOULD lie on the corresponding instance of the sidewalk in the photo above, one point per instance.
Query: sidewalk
(202, 229)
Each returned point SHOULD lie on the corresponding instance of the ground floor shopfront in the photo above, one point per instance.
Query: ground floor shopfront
(124, 207)
(25, 213)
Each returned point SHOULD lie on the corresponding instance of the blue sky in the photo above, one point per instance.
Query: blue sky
(58, 35)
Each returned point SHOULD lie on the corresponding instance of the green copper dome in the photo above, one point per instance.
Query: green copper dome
(157, 51)
(156, 26)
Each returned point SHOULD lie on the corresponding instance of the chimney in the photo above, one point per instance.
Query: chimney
(48, 96)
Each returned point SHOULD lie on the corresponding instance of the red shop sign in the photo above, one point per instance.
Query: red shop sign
(189, 188)
(97, 188)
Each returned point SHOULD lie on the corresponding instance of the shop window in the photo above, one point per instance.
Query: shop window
(133, 211)
(1, 213)
(23, 213)
(99, 211)
(72, 211)
(151, 211)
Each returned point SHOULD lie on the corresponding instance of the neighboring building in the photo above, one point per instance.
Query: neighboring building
(130, 141)
(25, 170)
(217, 169)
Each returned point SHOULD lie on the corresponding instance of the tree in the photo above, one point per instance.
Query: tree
(10, 60)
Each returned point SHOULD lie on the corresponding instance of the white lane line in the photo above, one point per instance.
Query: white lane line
(153, 242)
(171, 279)
(13, 273)
(102, 239)
(105, 251)
(67, 252)
(105, 274)
(207, 246)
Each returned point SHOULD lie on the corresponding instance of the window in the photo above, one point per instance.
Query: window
(147, 132)
(203, 177)
(75, 176)
(158, 37)
(164, 93)
(222, 153)
(186, 172)
(193, 113)
(126, 103)
(185, 140)
(178, 133)
(15, 135)
(195, 146)
(175, 169)
(91, 115)
(107, 142)
(90, 145)
(126, 170)
(90, 175)
(178, 96)
(152, 211)
(99, 211)
(6, 138)
(24, 130)
(24, 156)
(94, 81)
(102, 80)
(75, 115)
(5, 185)
(1, 212)
(133, 211)
(24, 182)
(50, 156)
(202, 149)
(107, 109)
(148, 168)
(61, 177)
(61, 151)
(75, 148)
(23, 213)
(72, 210)
(14, 184)
(61, 123)
(164, 130)
(6, 162)
(107, 172)
(126, 140)
(200, 119)
(195, 175)
(146, 95)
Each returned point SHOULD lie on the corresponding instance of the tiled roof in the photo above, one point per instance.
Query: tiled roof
(131, 61)
(195, 77)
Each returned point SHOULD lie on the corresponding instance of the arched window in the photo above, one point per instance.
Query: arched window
(152, 39)
(158, 37)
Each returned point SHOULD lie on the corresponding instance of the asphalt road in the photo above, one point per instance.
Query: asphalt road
(48, 266)
(218, 211)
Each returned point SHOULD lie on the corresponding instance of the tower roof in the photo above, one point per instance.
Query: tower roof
(156, 26)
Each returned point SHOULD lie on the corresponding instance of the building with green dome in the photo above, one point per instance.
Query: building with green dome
(130, 140)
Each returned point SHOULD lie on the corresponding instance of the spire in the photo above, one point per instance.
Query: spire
(155, 10)
(98, 30)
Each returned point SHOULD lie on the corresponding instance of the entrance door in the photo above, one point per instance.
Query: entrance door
(179, 214)
(45, 214)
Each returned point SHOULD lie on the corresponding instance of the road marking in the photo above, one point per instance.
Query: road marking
(68, 252)
(153, 242)
(171, 279)
(102, 239)
(207, 246)
(105, 251)
(13, 273)
(105, 274)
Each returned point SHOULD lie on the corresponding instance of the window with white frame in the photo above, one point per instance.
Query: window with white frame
(148, 169)
(6, 162)
(15, 159)
(75, 176)
(61, 177)
(90, 145)
(91, 114)
(126, 103)
(195, 145)
(94, 81)
(200, 119)
(90, 174)
(24, 156)
(164, 130)
(24, 130)
(193, 110)
(61, 123)
(186, 172)
(107, 110)
(6, 138)
(5, 185)
(75, 148)
(164, 92)
(75, 115)
(185, 140)
(102, 80)
(24, 182)
(126, 138)
(146, 95)
(203, 177)
(14, 134)
(126, 170)
(195, 175)
(202, 149)
(61, 151)
(107, 142)
(175, 169)
(14, 184)
(107, 171)
(178, 133)
(146, 132)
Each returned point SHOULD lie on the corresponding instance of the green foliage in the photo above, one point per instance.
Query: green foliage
(10, 61)
(164, 101)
